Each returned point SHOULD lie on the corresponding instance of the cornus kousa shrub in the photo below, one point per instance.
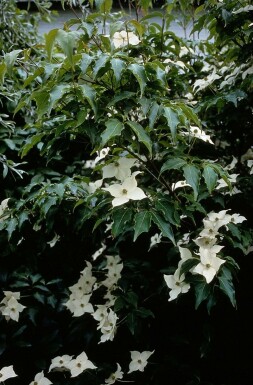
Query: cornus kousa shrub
(121, 219)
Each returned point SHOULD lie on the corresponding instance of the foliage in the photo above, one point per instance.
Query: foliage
(122, 137)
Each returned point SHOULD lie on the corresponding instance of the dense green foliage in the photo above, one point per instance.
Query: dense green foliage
(126, 174)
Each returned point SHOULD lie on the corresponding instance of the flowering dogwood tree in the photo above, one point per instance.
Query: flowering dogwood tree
(119, 204)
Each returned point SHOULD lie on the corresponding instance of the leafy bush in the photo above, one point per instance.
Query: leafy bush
(119, 215)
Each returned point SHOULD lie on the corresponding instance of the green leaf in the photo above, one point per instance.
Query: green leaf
(118, 66)
(42, 98)
(104, 5)
(141, 135)
(163, 226)
(153, 114)
(140, 75)
(190, 114)
(188, 265)
(100, 63)
(202, 291)
(50, 38)
(49, 202)
(89, 94)
(56, 94)
(172, 119)
(235, 231)
(30, 143)
(3, 69)
(173, 164)
(142, 223)
(67, 41)
(85, 62)
(11, 226)
(10, 58)
(192, 176)
(113, 128)
(226, 285)
(168, 210)
(210, 177)
(120, 219)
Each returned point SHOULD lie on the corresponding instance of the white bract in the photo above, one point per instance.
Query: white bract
(123, 38)
(126, 191)
(209, 264)
(79, 364)
(139, 360)
(3, 208)
(179, 184)
(177, 284)
(40, 379)
(155, 239)
(120, 169)
(7, 372)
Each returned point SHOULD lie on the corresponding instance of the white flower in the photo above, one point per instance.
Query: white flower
(139, 360)
(221, 183)
(81, 306)
(60, 363)
(39, 379)
(179, 184)
(201, 84)
(3, 208)
(6, 373)
(54, 240)
(126, 191)
(10, 307)
(79, 364)
(108, 326)
(177, 284)
(250, 165)
(232, 164)
(120, 169)
(209, 264)
(196, 132)
(101, 154)
(155, 239)
(123, 38)
(91, 187)
(205, 242)
(115, 376)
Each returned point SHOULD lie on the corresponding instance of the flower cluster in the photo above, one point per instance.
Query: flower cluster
(208, 262)
(10, 307)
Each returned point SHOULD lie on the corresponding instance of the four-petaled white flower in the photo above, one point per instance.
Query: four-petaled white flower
(209, 264)
(79, 364)
(40, 379)
(115, 376)
(60, 363)
(139, 360)
(196, 132)
(177, 284)
(10, 307)
(7, 372)
(123, 38)
(126, 191)
(120, 169)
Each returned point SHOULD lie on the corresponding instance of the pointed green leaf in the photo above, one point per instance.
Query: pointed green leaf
(163, 226)
(113, 128)
(202, 291)
(226, 285)
(142, 223)
(85, 62)
(41, 98)
(190, 114)
(118, 66)
(153, 114)
(141, 135)
(168, 211)
(11, 226)
(188, 265)
(172, 119)
(100, 63)
(10, 58)
(120, 219)
(67, 41)
(56, 94)
(210, 177)
(50, 38)
(173, 164)
(30, 143)
(192, 176)
(89, 94)
(104, 5)
(140, 75)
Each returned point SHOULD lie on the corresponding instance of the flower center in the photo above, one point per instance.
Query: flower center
(124, 191)
(61, 362)
(177, 283)
(208, 265)
(139, 361)
(116, 164)
(79, 365)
